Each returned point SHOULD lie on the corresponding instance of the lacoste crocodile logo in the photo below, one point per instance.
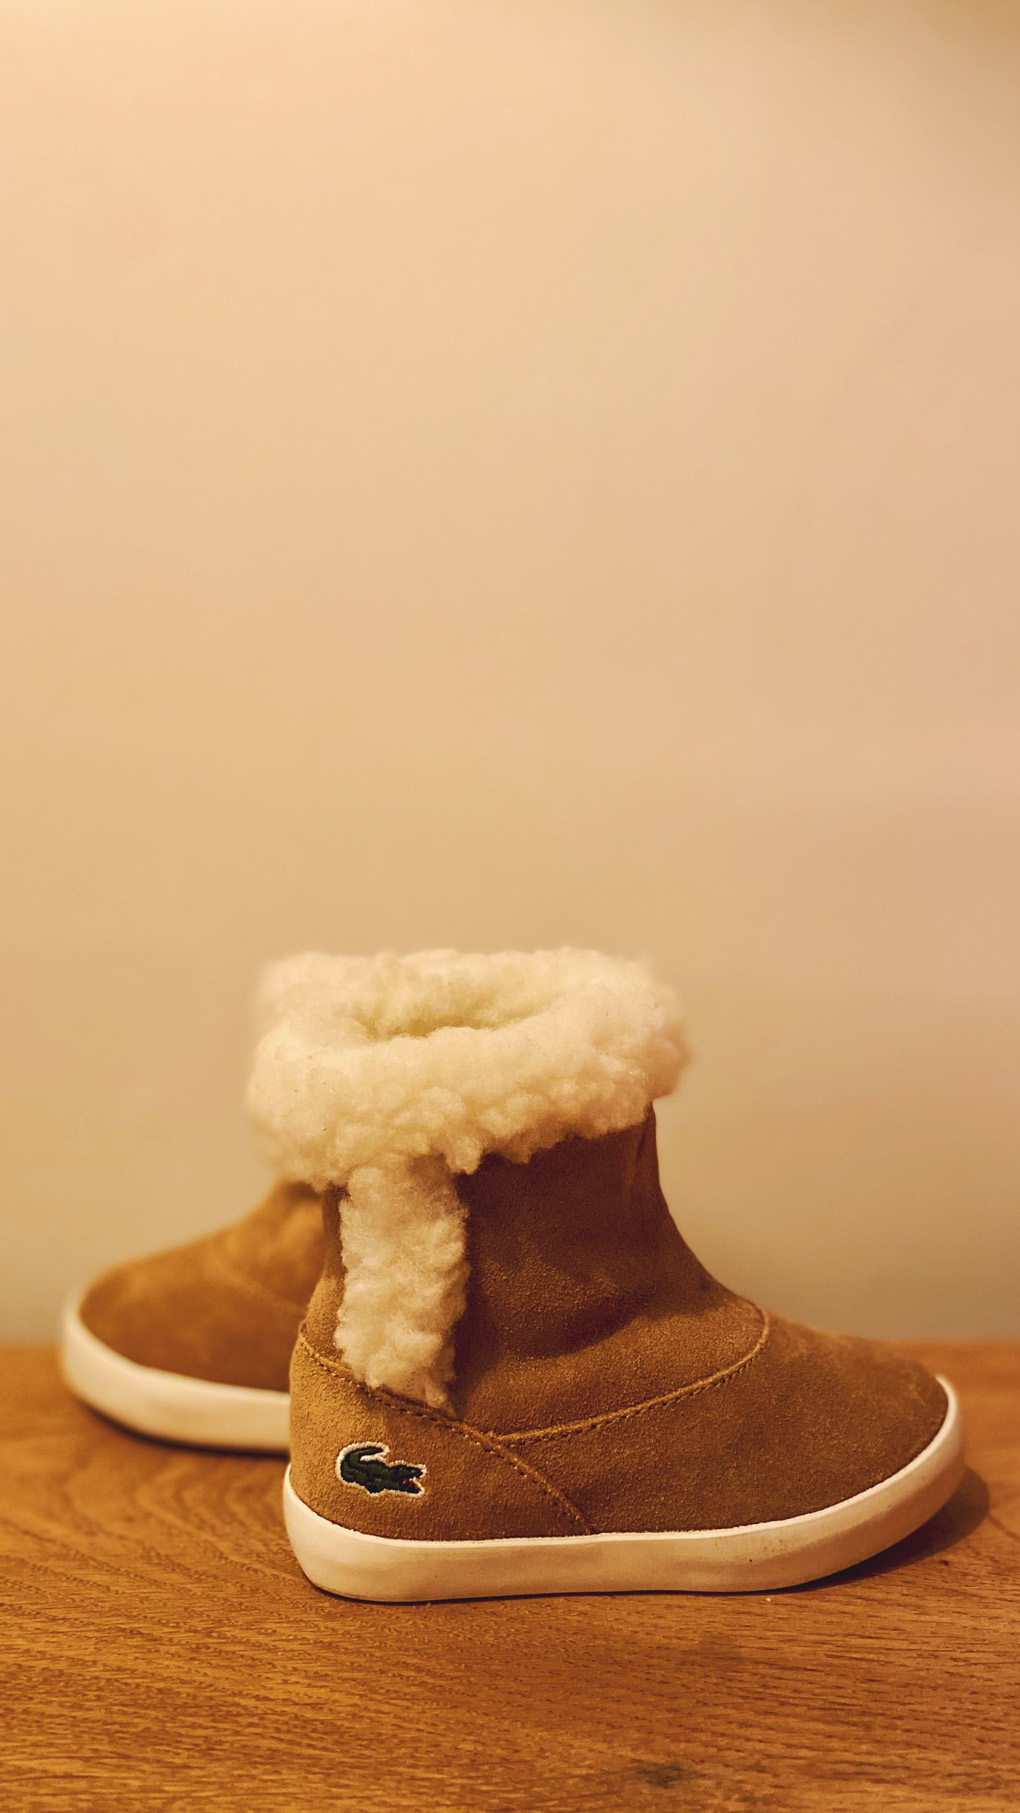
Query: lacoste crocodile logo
(364, 1465)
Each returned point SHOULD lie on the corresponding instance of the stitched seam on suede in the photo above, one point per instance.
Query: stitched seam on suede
(712, 1383)
(489, 1444)
(251, 1286)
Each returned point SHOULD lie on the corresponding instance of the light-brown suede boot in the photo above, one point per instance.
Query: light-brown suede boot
(514, 1376)
(193, 1345)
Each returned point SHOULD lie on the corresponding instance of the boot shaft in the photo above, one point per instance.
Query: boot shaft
(579, 1284)
(462, 1105)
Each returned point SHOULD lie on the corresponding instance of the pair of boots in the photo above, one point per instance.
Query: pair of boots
(507, 1372)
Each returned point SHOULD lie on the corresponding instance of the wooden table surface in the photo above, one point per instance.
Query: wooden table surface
(161, 1650)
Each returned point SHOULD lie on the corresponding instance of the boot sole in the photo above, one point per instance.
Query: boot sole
(757, 1557)
(170, 1405)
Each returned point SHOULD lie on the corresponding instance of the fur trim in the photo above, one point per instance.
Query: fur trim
(372, 1069)
(403, 1238)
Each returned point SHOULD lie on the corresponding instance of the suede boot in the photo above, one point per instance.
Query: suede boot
(193, 1345)
(514, 1376)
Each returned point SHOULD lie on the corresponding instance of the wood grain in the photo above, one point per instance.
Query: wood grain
(162, 1651)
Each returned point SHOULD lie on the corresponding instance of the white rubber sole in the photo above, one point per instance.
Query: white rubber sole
(168, 1405)
(757, 1557)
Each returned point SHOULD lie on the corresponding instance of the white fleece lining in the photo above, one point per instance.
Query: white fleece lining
(386, 1074)
(403, 1235)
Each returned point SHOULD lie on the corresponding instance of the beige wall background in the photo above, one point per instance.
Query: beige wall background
(515, 472)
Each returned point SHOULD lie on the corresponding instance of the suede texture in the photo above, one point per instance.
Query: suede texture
(582, 1290)
(809, 1419)
(225, 1308)
(634, 1391)
(472, 1487)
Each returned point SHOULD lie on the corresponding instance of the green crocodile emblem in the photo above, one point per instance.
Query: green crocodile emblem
(365, 1466)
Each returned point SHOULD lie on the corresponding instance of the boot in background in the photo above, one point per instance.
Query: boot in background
(194, 1344)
